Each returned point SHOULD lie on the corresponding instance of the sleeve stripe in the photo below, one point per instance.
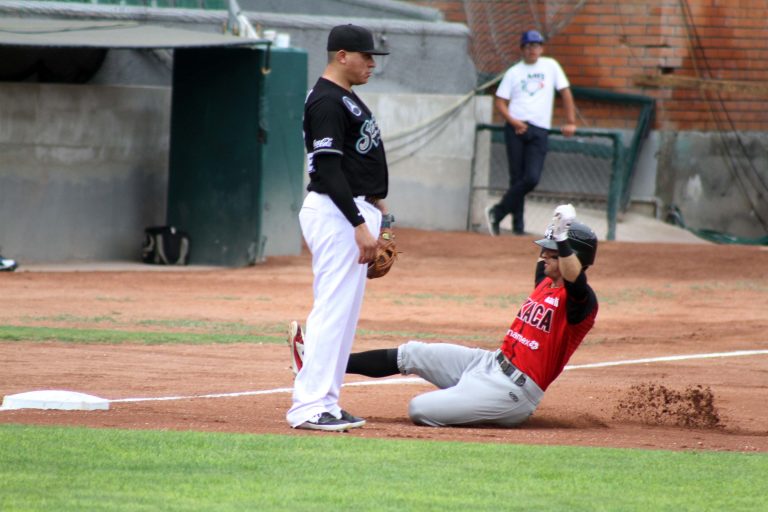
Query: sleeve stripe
(329, 150)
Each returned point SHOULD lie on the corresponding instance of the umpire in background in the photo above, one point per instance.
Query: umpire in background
(525, 99)
(341, 219)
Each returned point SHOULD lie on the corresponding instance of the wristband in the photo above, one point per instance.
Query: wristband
(564, 249)
(387, 220)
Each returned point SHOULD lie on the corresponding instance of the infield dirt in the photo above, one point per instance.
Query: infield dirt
(655, 300)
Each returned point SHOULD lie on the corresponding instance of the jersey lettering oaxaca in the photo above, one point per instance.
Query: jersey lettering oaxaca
(336, 121)
(540, 340)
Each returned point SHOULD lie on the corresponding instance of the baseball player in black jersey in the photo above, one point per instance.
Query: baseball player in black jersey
(341, 220)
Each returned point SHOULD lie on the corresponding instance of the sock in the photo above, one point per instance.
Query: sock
(374, 363)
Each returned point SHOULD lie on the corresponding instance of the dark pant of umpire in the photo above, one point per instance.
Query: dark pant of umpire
(525, 157)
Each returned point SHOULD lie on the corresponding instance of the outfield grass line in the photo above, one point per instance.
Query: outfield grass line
(419, 380)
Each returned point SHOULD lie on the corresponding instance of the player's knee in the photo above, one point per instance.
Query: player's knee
(530, 184)
(420, 413)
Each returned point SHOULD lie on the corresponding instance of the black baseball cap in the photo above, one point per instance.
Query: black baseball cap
(353, 38)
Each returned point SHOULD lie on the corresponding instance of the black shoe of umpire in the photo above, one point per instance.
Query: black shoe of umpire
(494, 227)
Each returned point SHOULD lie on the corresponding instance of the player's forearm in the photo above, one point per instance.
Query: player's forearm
(569, 105)
(332, 182)
(569, 263)
(502, 107)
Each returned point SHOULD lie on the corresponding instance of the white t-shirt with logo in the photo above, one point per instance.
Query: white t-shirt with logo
(530, 89)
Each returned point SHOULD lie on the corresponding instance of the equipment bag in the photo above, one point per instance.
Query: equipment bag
(165, 245)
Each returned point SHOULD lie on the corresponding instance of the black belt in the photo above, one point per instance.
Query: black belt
(509, 369)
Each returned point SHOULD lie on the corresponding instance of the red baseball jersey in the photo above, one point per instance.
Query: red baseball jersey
(541, 341)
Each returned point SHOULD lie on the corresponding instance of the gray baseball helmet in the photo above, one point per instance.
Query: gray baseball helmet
(582, 240)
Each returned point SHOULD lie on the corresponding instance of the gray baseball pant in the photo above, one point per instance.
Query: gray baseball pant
(473, 387)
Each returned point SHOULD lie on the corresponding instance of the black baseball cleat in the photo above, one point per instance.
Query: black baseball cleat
(354, 421)
(494, 227)
(326, 421)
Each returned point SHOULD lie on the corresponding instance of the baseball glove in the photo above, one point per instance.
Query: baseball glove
(386, 254)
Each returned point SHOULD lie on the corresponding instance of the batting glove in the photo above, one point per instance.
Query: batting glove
(564, 216)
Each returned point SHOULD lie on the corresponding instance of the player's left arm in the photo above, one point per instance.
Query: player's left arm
(568, 262)
(581, 299)
(569, 128)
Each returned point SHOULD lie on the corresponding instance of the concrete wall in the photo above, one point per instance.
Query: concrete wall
(714, 182)
(426, 57)
(430, 169)
(83, 169)
(345, 8)
(418, 62)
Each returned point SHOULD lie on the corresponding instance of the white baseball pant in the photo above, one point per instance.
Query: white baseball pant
(339, 285)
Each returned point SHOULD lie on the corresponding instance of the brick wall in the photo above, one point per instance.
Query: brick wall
(609, 44)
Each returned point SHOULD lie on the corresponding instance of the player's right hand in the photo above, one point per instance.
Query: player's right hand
(520, 126)
(366, 243)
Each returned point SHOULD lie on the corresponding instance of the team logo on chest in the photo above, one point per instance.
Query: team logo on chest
(370, 137)
(533, 83)
(352, 106)
(537, 315)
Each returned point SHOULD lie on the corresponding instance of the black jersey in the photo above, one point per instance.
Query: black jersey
(336, 121)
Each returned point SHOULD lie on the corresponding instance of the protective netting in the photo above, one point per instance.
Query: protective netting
(576, 169)
(590, 169)
(496, 26)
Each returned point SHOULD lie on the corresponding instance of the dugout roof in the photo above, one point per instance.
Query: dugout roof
(119, 34)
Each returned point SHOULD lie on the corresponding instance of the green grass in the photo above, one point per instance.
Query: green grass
(77, 469)
(175, 323)
(114, 336)
(216, 332)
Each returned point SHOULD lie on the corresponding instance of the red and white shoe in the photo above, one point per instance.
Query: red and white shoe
(296, 344)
